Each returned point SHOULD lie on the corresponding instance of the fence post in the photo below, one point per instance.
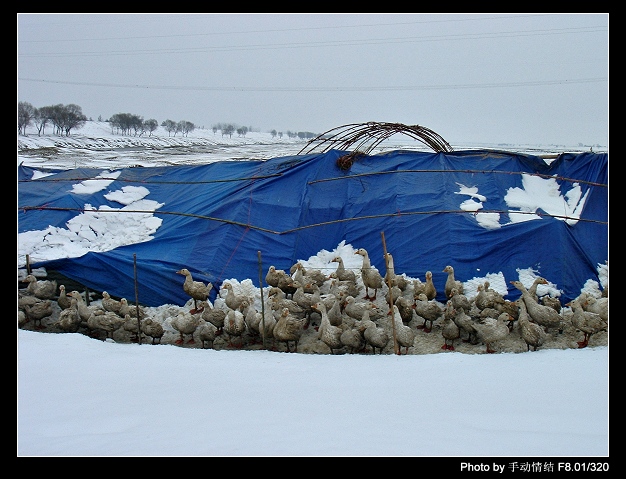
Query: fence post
(262, 299)
(137, 299)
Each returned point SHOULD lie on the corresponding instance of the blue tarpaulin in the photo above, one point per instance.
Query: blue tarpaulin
(217, 217)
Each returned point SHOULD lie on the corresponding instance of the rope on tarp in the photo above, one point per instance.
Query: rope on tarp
(313, 225)
(364, 137)
(334, 178)
(156, 182)
(556, 177)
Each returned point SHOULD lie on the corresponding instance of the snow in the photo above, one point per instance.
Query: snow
(79, 396)
(82, 397)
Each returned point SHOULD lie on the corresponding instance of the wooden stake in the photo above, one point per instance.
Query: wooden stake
(137, 299)
(262, 299)
(393, 322)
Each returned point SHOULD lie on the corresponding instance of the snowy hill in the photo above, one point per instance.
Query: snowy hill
(99, 135)
(96, 145)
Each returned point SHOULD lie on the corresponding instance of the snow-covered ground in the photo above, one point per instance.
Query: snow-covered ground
(96, 145)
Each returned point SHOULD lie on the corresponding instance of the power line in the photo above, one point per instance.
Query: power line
(273, 30)
(334, 43)
(326, 89)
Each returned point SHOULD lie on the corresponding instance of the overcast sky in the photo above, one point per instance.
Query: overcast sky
(472, 78)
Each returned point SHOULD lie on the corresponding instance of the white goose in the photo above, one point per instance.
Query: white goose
(252, 317)
(64, 301)
(110, 304)
(586, 321)
(69, 319)
(84, 311)
(42, 289)
(213, 315)
(543, 315)
(369, 275)
(152, 328)
(492, 330)
(104, 321)
(451, 282)
(352, 338)
(391, 277)
(404, 334)
(196, 289)
(38, 311)
(185, 323)
(131, 325)
(232, 299)
(595, 305)
(532, 334)
(206, 332)
(449, 330)
(341, 273)
(374, 336)
(235, 326)
(429, 310)
(289, 329)
(329, 334)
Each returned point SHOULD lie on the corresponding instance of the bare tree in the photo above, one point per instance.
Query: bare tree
(185, 127)
(42, 117)
(73, 118)
(56, 118)
(137, 125)
(25, 114)
(228, 129)
(170, 126)
(151, 125)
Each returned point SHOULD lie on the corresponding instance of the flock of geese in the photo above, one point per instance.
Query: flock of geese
(339, 313)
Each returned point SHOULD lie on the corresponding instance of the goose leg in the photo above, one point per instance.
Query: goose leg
(180, 340)
(195, 309)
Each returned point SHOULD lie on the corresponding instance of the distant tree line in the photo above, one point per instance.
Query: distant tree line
(65, 118)
(228, 129)
(303, 135)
